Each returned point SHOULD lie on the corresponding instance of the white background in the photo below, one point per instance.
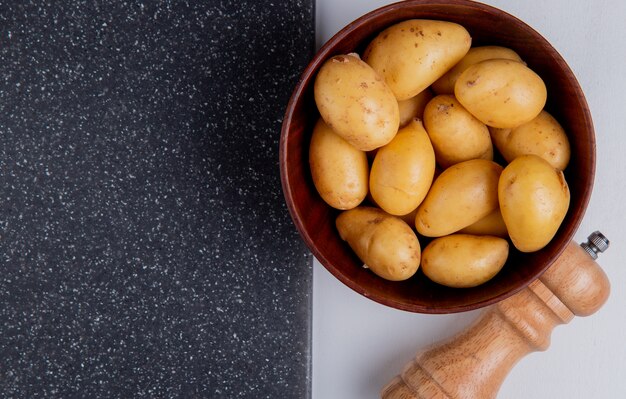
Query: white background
(359, 345)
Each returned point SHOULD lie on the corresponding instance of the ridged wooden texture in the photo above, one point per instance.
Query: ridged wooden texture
(474, 363)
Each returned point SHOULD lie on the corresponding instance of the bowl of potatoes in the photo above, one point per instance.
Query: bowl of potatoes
(437, 156)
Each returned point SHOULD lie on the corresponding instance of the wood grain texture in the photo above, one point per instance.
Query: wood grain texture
(474, 363)
(315, 220)
(577, 281)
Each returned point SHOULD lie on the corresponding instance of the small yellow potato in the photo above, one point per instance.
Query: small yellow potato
(456, 134)
(414, 107)
(412, 54)
(534, 198)
(356, 102)
(386, 244)
(403, 170)
(501, 93)
(463, 194)
(490, 225)
(463, 260)
(409, 218)
(445, 84)
(542, 136)
(340, 171)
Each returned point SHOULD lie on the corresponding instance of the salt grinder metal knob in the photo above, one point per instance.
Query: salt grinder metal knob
(596, 243)
(474, 363)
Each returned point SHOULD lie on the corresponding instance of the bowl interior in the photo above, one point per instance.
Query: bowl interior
(316, 221)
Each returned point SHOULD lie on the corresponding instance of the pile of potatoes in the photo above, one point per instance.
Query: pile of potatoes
(409, 129)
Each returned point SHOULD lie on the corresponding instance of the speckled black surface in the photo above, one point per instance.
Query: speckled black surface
(145, 248)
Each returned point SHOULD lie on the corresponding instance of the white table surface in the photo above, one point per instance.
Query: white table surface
(359, 345)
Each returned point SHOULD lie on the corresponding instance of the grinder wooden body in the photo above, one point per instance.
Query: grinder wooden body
(474, 363)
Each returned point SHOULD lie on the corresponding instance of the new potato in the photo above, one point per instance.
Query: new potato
(409, 218)
(413, 54)
(534, 198)
(340, 171)
(403, 170)
(463, 260)
(414, 107)
(385, 243)
(485, 94)
(356, 102)
(456, 134)
(542, 136)
(490, 225)
(463, 194)
(501, 93)
(445, 84)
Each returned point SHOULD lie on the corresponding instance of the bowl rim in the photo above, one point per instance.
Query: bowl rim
(325, 52)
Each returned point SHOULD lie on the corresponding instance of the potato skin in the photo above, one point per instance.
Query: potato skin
(340, 172)
(490, 225)
(385, 243)
(501, 93)
(534, 198)
(445, 84)
(463, 194)
(403, 170)
(409, 218)
(542, 136)
(356, 102)
(456, 134)
(413, 54)
(414, 107)
(463, 260)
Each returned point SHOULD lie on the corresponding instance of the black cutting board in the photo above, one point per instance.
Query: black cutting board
(145, 248)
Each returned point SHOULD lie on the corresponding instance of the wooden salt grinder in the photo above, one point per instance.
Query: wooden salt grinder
(474, 363)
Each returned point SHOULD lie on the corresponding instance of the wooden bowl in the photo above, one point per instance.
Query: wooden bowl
(316, 221)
